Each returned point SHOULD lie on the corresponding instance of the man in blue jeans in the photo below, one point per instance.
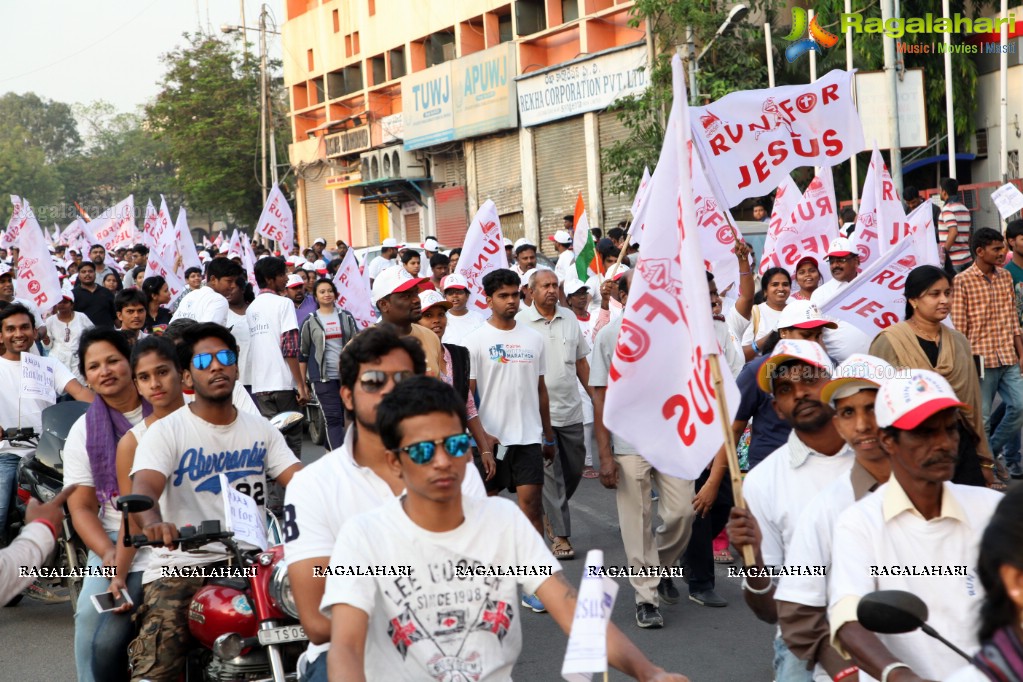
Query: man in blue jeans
(984, 309)
(1014, 240)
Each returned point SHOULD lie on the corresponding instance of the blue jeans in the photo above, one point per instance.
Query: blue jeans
(1007, 382)
(788, 668)
(8, 483)
(101, 639)
(1015, 445)
(317, 670)
(329, 395)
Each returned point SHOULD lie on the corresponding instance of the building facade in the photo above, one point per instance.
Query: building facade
(408, 115)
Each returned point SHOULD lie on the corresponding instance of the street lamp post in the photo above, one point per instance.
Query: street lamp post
(735, 15)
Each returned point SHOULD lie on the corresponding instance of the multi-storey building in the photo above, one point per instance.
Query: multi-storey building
(408, 115)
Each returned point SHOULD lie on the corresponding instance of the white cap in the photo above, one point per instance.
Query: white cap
(204, 256)
(389, 243)
(522, 241)
(320, 240)
(308, 267)
(320, 266)
(431, 245)
(5, 268)
(810, 352)
(619, 271)
(295, 281)
(68, 293)
(454, 281)
(840, 248)
(507, 242)
(856, 373)
(561, 237)
(262, 257)
(393, 280)
(803, 315)
(295, 260)
(574, 286)
(430, 298)
(524, 279)
(912, 398)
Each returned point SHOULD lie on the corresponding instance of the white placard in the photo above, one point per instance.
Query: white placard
(243, 516)
(36, 378)
(1008, 200)
(872, 95)
(587, 641)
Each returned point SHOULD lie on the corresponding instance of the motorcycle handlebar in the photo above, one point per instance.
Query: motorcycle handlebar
(19, 434)
(189, 537)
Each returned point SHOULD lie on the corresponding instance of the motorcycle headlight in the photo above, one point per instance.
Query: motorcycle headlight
(280, 590)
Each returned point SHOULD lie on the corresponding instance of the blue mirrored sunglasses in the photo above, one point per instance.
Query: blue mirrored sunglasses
(422, 452)
(225, 357)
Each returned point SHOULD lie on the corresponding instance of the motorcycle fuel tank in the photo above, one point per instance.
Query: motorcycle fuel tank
(216, 610)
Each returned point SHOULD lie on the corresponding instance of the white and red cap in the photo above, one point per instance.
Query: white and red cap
(561, 237)
(787, 350)
(68, 294)
(393, 280)
(295, 281)
(5, 268)
(308, 267)
(522, 241)
(857, 372)
(454, 281)
(803, 315)
(908, 400)
(807, 257)
(619, 271)
(431, 245)
(574, 286)
(430, 298)
(320, 267)
(840, 248)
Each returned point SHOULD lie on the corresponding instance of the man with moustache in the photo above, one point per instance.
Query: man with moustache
(844, 263)
(918, 523)
(781, 486)
(803, 599)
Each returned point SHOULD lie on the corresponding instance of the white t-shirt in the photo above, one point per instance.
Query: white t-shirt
(767, 324)
(737, 324)
(17, 410)
(333, 339)
(507, 366)
(380, 264)
(322, 497)
(778, 489)
(864, 539)
(239, 326)
(191, 453)
(432, 624)
(240, 398)
(460, 326)
(203, 305)
(270, 316)
(563, 268)
(600, 368)
(64, 340)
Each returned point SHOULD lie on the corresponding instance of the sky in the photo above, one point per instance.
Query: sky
(80, 51)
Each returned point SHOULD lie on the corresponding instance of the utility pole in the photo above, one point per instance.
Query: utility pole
(949, 112)
(267, 106)
(262, 101)
(892, 75)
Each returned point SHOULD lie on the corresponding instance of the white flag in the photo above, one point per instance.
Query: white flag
(16, 223)
(353, 293)
(750, 139)
(234, 247)
(802, 225)
(644, 185)
(922, 219)
(38, 280)
(163, 222)
(163, 262)
(248, 261)
(1008, 200)
(149, 236)
(881, 221)
(276, 222)
(115, 227)
(661, 395)
(482, 252)
(717, 236)
(587, 640)
(185, 244)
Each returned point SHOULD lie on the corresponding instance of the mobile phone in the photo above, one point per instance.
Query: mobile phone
(104, 601)
(501, 451)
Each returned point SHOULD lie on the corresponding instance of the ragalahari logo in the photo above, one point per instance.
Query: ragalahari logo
(817, 38)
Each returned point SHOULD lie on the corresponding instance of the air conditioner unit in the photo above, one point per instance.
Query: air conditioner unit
(369, 163)
(391, 163)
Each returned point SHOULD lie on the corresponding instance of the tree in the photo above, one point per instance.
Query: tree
(45, 124)
(24, 171)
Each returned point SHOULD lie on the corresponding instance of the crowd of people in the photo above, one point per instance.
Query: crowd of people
(458, 438)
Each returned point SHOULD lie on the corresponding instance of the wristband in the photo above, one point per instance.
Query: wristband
(752, 590)
(486, 452)
(891, 667)
(48, 524)
(550, 443)
(745, 274)
(754, 346)
(848, 672)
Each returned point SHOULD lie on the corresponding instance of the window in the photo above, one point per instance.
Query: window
(378, 67)
(355, 42)
(531, 16)
(397, 59)
(372, 7)
(309, 60)
(504, 29)
(440, 48)
(569, 10)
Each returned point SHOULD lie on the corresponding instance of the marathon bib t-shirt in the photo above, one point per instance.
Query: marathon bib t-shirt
(445, 618)
(192, 453)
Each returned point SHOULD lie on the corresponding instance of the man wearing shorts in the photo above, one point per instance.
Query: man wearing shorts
(507, 367)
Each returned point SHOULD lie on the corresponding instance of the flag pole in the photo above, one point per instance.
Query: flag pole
(614, 266)
(733, 457)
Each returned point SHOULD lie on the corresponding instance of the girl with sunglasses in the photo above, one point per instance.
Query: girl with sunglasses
(65, 330)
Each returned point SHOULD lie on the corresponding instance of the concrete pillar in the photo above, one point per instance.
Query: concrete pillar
(594, 206)
(530, 210)
(471, 185)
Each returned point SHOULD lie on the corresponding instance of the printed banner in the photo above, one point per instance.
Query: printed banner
(750, 139)
(587, 640)
(802, 226)
(881, 221)
(115, 227)
(37, 378)
(717, 234)
(16, 223)
(482, 252)
(277, 222)
(353, 292)
(38, 280)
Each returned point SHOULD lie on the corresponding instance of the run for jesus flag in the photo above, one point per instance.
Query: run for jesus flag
(660, 395)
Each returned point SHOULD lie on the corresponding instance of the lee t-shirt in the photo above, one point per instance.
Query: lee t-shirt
(333, 338)
(269, 316)
(432, 623)
(239, 326)
(19, 410)
(507, 366)
(203, 305)
(192, 453)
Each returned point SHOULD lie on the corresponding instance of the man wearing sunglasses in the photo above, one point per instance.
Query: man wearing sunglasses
(844, 263)
(179, 462)
(348, 481)
(404, 627)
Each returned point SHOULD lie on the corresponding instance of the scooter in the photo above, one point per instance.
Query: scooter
(247, 628)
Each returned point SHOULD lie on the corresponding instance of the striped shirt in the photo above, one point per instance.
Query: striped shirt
(984, 310)
(955, 214)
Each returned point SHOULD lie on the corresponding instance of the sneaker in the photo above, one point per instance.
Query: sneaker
(530, 601)
(707, 598)
(667, 591)
(648, 617)
(1015, 470)
(40, 592)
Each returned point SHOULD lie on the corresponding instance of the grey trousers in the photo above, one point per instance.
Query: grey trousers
(561, 477)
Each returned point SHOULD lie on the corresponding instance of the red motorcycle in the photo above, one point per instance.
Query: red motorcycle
(247, 627)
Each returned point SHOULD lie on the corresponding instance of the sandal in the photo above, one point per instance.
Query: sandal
(590, 472)
(548, 528)
(723, 556)
(562, 549)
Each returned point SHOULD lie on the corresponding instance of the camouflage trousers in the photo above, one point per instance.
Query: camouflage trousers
(158, 653)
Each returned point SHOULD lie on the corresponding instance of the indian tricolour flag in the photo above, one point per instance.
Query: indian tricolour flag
(586, 259)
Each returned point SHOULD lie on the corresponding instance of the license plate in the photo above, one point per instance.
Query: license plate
(282, 635)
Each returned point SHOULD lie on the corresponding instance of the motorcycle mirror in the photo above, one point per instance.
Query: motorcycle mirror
(133, 504)
(286, 420)
(891, 612)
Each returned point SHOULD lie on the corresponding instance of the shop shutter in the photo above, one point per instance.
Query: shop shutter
(447, 169)
(499, 174)
(412, 230)
(512, 226)
(452, 220)
(319, 207)
(560, 155)
(616, 206)
(372, 224)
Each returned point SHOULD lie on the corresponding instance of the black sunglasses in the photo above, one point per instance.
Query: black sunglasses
(374, 380)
